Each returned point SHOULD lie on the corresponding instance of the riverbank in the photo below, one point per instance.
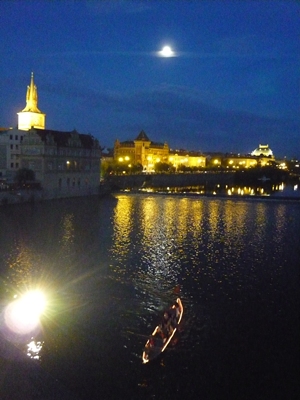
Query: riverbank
(259, 183)
(247, 184)
(38, 195)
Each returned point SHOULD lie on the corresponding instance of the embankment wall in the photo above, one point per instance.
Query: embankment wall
(172, 180)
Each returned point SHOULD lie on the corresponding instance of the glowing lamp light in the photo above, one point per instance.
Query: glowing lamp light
(23, 315)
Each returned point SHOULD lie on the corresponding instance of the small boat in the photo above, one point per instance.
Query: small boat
(161, 337)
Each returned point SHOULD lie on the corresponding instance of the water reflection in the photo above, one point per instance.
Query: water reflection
(20, 265)
(123, 219)
(206, 240)
(233, 260)
(67, 235)
(34, 348)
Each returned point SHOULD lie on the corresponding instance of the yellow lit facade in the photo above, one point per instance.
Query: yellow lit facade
(147, 153)
(237, 162)
(188, 159)
(31, 116)
(263, 150)
(141, 151)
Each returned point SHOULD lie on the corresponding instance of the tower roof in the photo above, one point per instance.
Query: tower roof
(31, 97)
(262, 150)
(143, 137)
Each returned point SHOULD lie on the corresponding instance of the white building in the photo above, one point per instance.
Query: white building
(66, 164)
(10, 151)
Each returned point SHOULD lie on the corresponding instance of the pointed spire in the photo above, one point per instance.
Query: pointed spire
(31, 97)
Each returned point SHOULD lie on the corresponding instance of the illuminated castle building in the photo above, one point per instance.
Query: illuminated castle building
(147, 153)
(263, 150)
(141, 151)
(66, 164)
(31, 116)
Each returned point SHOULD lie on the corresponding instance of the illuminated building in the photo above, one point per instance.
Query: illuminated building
(239, 161)
(147, 153)
(263, 150)
(189, 159)
(31, 116)
(66, 164)
(264, 154)
(141, 151)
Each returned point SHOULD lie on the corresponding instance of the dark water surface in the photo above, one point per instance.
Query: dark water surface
(109, 267)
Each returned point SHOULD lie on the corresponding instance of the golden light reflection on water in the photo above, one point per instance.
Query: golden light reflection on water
(123, 223)
(22, 262)
(172, 239)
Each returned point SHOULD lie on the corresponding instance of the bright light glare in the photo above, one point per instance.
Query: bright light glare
(33, 349)
(23, 315)
(166, 52)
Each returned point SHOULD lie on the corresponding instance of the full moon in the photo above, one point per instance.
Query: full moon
(167, 52)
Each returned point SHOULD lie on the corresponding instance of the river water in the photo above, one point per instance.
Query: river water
(109, 267)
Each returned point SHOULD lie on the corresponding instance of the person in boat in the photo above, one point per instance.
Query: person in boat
(166, 325)
(177, 311)
(174, 314)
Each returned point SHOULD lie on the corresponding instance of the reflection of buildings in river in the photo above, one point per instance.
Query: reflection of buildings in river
(155, 239)
(213, 217)
(166, 230)
(260, 224)
(22, 262)
(280, 223)
(123, 224)
(68, 232)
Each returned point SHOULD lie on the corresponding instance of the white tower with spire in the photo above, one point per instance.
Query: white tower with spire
(31, 116)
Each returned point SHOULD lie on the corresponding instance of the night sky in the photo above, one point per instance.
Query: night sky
(232, 81)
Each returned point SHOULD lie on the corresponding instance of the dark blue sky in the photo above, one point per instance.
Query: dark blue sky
(234, 82)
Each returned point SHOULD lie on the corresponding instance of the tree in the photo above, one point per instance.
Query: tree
(163, 167)
(24, 175)
(137, 168)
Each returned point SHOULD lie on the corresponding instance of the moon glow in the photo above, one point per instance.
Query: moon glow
(166, 52)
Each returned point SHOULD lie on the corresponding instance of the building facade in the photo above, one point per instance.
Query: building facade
(188, 159)
(141, 151)
(147, 153)
(66, 164)
(10, 152)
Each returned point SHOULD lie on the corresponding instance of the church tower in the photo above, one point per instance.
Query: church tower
(31, 116)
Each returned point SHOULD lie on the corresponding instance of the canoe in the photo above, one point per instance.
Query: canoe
(159, 339)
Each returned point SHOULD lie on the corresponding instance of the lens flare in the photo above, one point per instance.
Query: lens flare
(23, 315)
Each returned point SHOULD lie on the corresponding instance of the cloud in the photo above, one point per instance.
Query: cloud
(177, 115)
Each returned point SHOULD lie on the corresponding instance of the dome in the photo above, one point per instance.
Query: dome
(262, 150)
